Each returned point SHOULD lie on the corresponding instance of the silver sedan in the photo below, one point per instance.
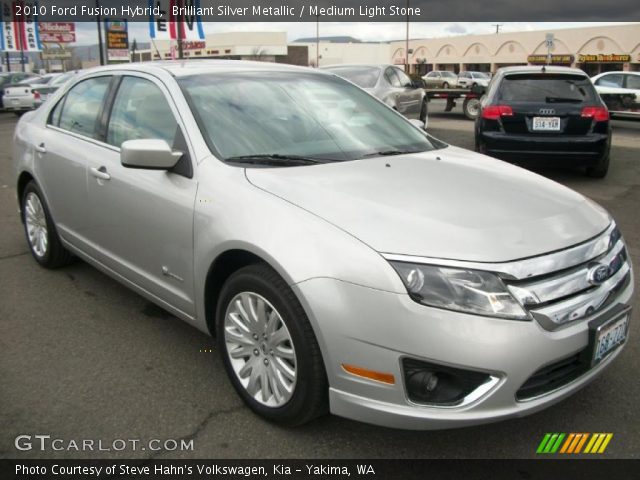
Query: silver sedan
(390, 84)
(345, 260)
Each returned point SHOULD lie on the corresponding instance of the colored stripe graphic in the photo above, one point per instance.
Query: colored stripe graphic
(550, 443)
(573, 443)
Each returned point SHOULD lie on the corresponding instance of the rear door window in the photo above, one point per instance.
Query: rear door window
(611, 80)
(633, 81)
(546, 88)
(81, 107)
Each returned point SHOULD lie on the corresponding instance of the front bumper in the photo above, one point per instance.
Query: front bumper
(374, 329)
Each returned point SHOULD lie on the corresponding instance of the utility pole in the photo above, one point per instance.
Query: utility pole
(99, 21)
(406, 61)
(6, 56)
(497, 25)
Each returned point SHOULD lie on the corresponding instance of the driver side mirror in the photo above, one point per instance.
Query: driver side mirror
(151, 154)
(417, 84)
(478, 89)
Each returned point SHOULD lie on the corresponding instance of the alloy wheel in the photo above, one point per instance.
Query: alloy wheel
(36, 222)
(260, 349)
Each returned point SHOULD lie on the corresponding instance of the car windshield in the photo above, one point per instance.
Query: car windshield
(547, 88)
(365, 77)
(252, 116)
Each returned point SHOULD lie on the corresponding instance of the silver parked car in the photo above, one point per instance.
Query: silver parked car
(473, 79)
(620, 91)
(440, 79)
(390, 84)
(346, 260)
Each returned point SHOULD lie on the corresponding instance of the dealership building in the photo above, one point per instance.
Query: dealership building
(594, 49)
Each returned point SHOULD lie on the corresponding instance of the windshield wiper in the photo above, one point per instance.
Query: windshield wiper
(563, 100)
(387, 153)
(276, 158)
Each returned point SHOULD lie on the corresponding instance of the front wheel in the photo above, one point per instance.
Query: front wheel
(445, 85)
(471, 108)
(269, 349)
(41, 233)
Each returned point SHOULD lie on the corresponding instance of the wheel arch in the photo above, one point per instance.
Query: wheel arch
(23, 180)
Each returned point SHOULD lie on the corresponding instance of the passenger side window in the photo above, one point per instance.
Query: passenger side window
(633, 81)
(392, 78)
(81, 107)
(140, 110)
(613, 80)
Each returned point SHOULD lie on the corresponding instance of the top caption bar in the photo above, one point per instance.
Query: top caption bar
(326, 11)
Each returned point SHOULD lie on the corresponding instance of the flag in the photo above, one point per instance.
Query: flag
(167, 26)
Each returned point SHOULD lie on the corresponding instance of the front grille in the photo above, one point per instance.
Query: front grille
(554, 376)
(571, 294)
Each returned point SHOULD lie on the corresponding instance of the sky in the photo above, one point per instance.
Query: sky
(365, 31)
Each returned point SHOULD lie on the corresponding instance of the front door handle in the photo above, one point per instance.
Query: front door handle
(41, 149)
(100, 173)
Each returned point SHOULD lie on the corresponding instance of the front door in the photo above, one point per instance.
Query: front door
(141, 221)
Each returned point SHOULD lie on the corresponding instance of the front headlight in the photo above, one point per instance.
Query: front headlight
(470, 291)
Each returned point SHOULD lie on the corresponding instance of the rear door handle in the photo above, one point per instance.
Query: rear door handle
(41, 149)
(100, 173)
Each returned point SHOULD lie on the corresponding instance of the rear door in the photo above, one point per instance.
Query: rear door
(62, 150)
(547, 103)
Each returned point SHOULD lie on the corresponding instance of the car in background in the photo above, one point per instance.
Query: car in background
(440, 79)
(25, 95)
(47, 90)
(10, 78)
(473, 79)
(390, 85)
(620, 91)
(549, 116)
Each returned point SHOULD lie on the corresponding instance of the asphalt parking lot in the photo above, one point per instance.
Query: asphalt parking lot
(82, 357)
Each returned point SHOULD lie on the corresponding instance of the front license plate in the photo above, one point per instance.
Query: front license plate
(546, 124)
(610, 336)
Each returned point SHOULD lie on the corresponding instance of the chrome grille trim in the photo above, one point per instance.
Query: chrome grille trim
(528, 267)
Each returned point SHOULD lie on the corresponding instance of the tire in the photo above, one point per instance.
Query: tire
(258, 288)
(40, 230)
(19, 114)
(600, 169)
(445, 85)
(471, 108)
(424, 111)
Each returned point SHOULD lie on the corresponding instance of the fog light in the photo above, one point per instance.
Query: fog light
(433, 384)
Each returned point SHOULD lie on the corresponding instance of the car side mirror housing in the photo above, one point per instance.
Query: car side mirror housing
(417, 84)
(150, 154)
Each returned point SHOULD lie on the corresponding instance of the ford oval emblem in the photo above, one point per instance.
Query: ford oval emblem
(598, 274)
(547, 111)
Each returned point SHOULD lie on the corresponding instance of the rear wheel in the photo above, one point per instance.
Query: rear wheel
(600, 169)
(471, 108)
(269, 349)
(41, 233)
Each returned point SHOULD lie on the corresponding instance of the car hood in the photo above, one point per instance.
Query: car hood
(449, 203)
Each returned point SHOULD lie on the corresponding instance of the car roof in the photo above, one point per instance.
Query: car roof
(356, 65)
(541, 69)
(183, 68)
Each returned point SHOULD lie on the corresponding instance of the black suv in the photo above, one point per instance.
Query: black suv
(545, 116)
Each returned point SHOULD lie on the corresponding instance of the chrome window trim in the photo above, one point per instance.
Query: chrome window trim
(543, 264)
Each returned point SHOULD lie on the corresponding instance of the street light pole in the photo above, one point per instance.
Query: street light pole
(99, 21)
(317, 41)
(406, 60)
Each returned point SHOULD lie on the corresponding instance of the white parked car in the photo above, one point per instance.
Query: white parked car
(25, 95)
(471, 79)
(620, 91)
